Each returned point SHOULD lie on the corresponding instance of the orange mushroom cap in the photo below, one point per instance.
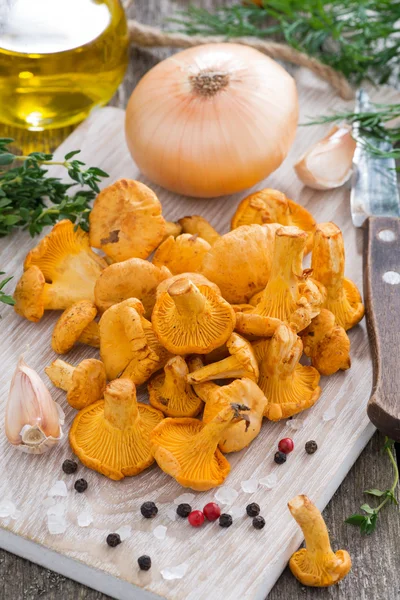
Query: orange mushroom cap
(126, 221)
(112, 436)
(189, 319)
(288, 386)
(182, 254)
(272, 206)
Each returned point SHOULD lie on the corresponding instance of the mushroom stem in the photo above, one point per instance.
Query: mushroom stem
(60, 373)
(312, 525)
(328, 259)
(227, 368)
(91, 335)
(187, 297)
(206, 441)
(206, 389)
(120, 405)
(280, 294)
(175, 384)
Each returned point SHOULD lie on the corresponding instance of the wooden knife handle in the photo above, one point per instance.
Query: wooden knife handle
(382, 300)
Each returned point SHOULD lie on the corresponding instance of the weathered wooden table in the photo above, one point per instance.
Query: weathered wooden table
(376, 559)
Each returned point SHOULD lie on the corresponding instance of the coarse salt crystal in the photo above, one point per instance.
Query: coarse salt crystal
(48, 502)
(57, 510)
(170, 573)
(85, 518)
(124, 532)
(226, 495)
(171, 514)
(269, 481)
(160, 532)
(56, 524)
(7, 509)
(184, 499)
(329, 414)
(250, 486)
(295, 424)
(58, 489)
(236, 512)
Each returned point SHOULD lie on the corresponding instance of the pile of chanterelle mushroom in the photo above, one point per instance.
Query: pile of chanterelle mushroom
(237, 307)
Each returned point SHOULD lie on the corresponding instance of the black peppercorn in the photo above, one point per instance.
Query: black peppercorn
(149, 510)
(258, 522)
(184, 510)
(280, 458)
(144, 562)
(311, 447)
(69, 466)
(253, 509)
(113, 540)
(225, 520)
(81, 485)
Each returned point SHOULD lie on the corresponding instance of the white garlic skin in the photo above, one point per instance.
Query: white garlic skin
(33, 420)
(328, 164)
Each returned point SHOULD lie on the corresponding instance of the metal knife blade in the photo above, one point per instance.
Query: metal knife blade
(374, 190)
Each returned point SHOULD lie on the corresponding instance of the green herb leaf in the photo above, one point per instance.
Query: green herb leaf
(355, 520)
(367, 509)
(359, 38)
(4, 298)
(30, 199)
(375, 492)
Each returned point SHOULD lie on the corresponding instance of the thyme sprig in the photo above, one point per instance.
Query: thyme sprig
(30, 199)
(4, 298)
(367, 520)
(371, 125)
(359, 38)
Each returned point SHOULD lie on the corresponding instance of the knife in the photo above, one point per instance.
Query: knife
(375, 205)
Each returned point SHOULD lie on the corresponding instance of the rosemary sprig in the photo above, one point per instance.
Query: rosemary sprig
(367, 520)
(359, 38)
(372, 125)
(3, 296)
(30, 199)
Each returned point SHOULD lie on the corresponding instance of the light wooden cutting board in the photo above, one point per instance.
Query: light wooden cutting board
(230, 564)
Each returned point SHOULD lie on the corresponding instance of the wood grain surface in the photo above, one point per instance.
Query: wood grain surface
(382, 299)
(376, 559)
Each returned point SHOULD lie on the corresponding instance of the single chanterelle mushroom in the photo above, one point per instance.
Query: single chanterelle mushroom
(123, 342)
(242, 391)
(316, 565)
(126, 221)
(76, 324)
(84, 383)
(187, 449)
(112, 436)
(327, 344)
(66, 261)
(195, 278)
(181, 254)
(240, 261)
(33, 295)
(288, 386)
(189, 319)
(288, 287)
(271, 206)
(170, 392)
(241, 363)
(197, 225)
(133, 278)
(342, 296)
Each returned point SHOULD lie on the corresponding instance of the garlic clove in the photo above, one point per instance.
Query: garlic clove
(33, 420)
(328, 164)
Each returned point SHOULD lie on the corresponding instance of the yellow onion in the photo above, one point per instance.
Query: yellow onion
(328, 164)
(212, 120)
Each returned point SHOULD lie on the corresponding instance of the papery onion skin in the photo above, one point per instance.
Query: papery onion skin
(328, 163)
(210, 145)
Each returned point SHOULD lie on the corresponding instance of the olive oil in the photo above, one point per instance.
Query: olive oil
(59, 59)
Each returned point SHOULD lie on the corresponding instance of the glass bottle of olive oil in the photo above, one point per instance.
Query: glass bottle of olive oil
(59, 59)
